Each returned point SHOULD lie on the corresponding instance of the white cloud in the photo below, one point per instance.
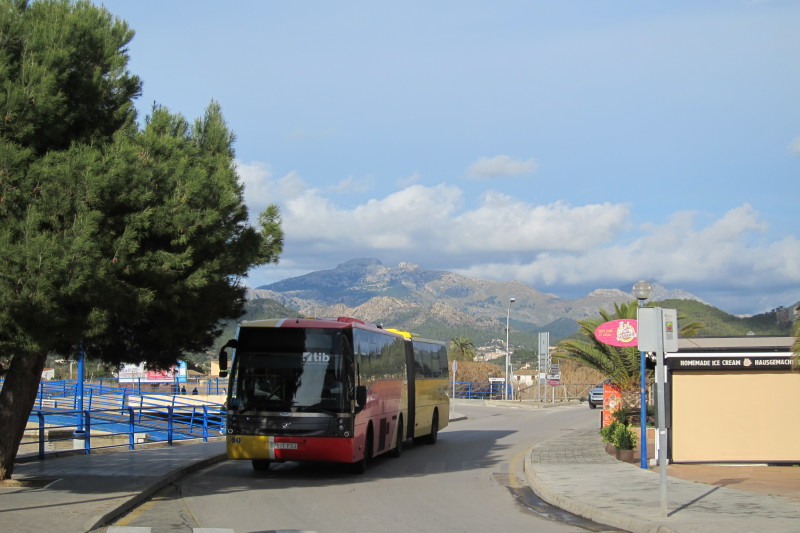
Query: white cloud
(258, 185)
(420, 218)
(795, 146)
(678, 254)
(406, 219)
(261, 189)
(502, 223)
(500, 165)
(408, 180)
(554, 247)
(353, 185)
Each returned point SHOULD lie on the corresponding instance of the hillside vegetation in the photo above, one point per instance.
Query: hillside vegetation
(718, 323)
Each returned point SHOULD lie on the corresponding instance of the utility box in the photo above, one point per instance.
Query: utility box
(658, 329)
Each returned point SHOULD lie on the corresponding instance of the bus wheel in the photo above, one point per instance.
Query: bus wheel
(398, 450)
(260, 465)
(359, 467)
(434, 434)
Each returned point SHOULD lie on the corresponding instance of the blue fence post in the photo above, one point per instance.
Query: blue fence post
(87, 443)
(132, 428)
(205, 423)
(169, 425)
(40, 415)
(79, 394)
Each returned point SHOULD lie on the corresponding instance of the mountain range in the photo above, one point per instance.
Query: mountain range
(438, 302)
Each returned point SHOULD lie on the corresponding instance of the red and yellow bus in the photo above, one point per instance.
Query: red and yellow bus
(338, 390)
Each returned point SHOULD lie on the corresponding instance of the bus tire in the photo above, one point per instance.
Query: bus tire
(359, 467)
(433, 436)
(397, 451)
(260, 465)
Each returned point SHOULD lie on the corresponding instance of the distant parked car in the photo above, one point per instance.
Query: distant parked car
(596, 395)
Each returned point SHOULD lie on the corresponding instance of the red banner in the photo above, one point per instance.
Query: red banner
(612, 400)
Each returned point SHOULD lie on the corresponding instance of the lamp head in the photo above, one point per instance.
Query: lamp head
(642, 290)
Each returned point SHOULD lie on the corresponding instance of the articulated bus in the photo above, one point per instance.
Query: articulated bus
(336, 390)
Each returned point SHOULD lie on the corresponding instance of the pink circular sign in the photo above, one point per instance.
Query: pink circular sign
(622, 332)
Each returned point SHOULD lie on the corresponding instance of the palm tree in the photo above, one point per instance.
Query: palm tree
(461, 349)
(619, 364)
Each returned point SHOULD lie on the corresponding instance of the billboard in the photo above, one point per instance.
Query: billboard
(129, 373)
(621, 332)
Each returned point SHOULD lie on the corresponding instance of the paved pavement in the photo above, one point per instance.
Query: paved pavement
(575, 473)
(80, 493)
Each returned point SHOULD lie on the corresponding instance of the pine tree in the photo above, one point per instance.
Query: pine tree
(130, 242)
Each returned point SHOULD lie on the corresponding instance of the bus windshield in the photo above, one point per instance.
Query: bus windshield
(290, 368)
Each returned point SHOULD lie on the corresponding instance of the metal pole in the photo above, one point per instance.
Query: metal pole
(508, 349)
(79, 429)
(508, 356)
(662, 417)
(643, 410)
(642, 291)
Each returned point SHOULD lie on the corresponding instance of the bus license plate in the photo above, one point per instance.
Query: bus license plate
(283, 445)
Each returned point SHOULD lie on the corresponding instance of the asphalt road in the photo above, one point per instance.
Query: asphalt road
(471, 480)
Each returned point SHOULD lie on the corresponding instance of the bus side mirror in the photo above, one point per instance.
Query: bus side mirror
(361, 396)
(223, 357)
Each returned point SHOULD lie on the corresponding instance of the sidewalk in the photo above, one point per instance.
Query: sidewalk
(575, 473)
(79, 493)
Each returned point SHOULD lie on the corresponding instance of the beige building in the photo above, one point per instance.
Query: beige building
(733, 399)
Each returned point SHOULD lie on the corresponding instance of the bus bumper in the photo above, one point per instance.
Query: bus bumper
(340, 450)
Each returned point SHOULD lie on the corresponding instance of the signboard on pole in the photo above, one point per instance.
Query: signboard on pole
(544, 351)
(658, 329)
(129, 373)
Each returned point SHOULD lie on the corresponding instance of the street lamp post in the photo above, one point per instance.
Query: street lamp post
(508, 348)
(642, 291)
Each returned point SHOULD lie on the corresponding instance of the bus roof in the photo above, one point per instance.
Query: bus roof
(312, 322)
(413, 337)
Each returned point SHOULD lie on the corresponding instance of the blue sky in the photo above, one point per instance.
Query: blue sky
(571, 145)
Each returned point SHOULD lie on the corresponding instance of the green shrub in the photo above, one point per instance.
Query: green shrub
(624, 439)
(607, 432)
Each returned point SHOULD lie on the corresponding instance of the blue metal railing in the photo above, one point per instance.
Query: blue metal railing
(108, 428)
(477, 391)
(211, 386)
(114, 416)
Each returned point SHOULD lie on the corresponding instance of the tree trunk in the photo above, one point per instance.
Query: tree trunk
(631, 397)
(16, 402)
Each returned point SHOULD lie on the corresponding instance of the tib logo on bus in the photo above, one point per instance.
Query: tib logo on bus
(316, 357)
